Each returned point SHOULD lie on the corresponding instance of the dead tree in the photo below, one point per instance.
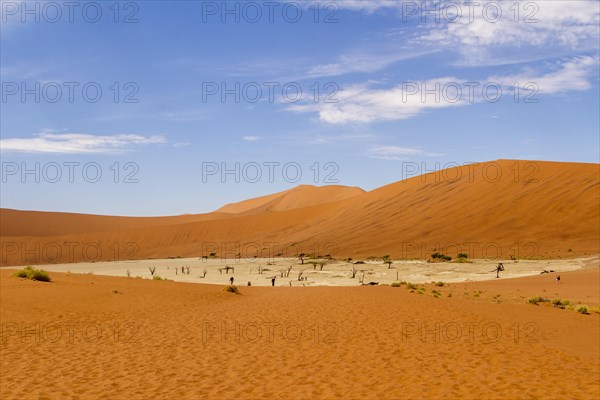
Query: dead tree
(301, 257)
(152, 270)
(188, 270)
(353, 272)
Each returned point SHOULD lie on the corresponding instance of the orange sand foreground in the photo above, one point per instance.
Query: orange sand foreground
(87, 337)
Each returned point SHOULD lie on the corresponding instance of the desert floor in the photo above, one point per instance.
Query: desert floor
(86, 336)
(334, 273)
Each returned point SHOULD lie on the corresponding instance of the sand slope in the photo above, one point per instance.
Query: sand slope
(165, 340)
(298, 197)
(490, 210)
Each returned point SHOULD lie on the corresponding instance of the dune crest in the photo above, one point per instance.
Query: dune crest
(526, 209)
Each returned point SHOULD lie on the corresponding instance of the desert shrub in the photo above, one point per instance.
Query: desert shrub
(535, 300)
(582, 309)
(561, 303)
(440, 257)
(158, 278)
(232, 289)
(411, 286)
(436, 293)
(421, 290)
(462, 255)
(22, 273)
(34, 274)
(440, 284)
(396, 284)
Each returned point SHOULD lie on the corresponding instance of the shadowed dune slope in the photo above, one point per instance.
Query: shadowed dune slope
(491, 210)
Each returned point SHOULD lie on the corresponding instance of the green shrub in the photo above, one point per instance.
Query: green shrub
(22, 273)
(396, 284)
(232, 289)
(439, 256)
(411, 286)
(462, 255)
(582, 309)
(33, 274)
(536, 299)
(440, 284)
(561, 303)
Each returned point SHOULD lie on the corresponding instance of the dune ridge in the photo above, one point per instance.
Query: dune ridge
(526, 209)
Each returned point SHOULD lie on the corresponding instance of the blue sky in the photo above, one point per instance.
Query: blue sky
(385, 86)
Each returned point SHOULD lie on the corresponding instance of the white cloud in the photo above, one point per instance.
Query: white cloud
(361, 62)
(184, 115)
(573, 74)
(365, 104)
(397, 153)
(251, 138)
(361, 103)
(539, 30)
(491, 32)
(76, 143)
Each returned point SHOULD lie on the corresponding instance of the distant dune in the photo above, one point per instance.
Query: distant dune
(298, 197)
(527, 209)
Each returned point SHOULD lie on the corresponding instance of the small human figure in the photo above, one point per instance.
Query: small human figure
(231, 280)
(557, 278)
(273, 281)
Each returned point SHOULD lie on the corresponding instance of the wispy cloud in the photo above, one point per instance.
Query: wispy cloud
(364, 103)
(521, 31)
(363, 62)
(573, 74)
(77, 143)
(398, 153)
(184, 115)
(251, 138)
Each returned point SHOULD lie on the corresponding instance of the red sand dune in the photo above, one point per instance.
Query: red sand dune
(86, 336)
(298, 197)
(529, 209)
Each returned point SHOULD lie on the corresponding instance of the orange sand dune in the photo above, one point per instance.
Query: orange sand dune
(489, 210)
(40, 223)
(86, 336)
(299, 197)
